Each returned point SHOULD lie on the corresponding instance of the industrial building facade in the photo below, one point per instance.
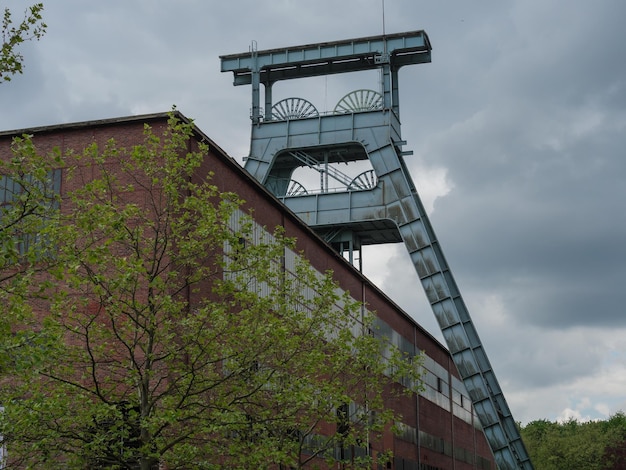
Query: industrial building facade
(439, 429)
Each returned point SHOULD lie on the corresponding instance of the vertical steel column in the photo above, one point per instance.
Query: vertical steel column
(268, 101)
(386, 82)
(256, 85)
(395, 93)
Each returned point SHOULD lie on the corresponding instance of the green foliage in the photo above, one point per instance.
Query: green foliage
(28, 212)
(573, 444)
(31, 27)
(173, 335)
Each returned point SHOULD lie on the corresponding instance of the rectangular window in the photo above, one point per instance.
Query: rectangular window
(11, 188)
(20, 198)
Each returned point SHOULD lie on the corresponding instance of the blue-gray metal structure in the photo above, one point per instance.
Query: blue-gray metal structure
(369, 210)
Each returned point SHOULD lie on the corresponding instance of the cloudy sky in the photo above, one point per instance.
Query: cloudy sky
(518, 128)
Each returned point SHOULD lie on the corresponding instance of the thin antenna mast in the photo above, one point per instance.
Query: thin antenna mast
(385, 56)
(384, 21)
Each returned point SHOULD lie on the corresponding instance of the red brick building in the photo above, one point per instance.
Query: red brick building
(439, 429)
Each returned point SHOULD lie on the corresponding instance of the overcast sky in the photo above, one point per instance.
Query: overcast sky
(518, 128)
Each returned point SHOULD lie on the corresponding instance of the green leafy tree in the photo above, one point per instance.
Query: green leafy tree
(615, 451)
(29, 202)
(31, 27)
(573, 444)
(178, 332)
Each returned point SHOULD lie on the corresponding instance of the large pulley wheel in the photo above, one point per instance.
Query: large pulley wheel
(366, 180)
(296, 189)
(293, 108)
(359, 100)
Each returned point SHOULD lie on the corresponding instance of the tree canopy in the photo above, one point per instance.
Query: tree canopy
(28, 206)
(590, 445)
(14, 34)
(174, 330)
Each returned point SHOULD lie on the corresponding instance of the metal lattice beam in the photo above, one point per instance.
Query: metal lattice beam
(329, 58)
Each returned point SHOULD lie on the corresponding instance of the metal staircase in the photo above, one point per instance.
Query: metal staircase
(366, 126)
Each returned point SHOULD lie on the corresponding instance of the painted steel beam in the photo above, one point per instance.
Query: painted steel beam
(329, 58)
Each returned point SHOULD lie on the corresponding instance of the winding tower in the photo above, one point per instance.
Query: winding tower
(378, 205)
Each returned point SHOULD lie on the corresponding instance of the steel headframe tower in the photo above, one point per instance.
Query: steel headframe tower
(377, 206)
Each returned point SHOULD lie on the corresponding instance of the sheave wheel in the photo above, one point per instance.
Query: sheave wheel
(293, 108)
(366, 180)
(359, 100)
(296, 189)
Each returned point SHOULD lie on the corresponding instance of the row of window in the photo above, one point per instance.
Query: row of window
(403, 464)
(442, 446)
(46, 188)
(435, 378)
(30, 192)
